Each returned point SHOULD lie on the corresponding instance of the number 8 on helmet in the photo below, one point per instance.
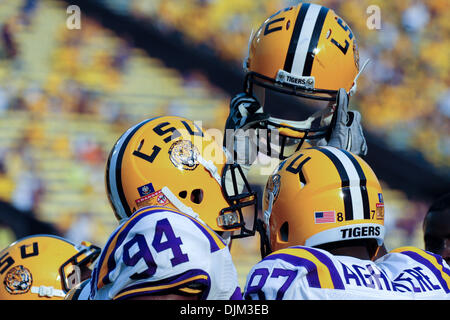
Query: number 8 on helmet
(322, 196)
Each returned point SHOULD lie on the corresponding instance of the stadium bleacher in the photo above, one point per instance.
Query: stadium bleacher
(75, 103)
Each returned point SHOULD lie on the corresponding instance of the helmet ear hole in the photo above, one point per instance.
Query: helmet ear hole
(183, 194)
(284, 232)
(197, 196)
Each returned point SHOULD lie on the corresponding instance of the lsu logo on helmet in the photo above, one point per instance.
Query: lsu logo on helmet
(184, 155)
(43, 267)
(185, 168)
(18, 280)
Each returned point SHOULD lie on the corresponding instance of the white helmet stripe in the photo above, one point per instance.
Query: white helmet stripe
(114, 177)
(363, 183)
(354, 182)
(314, 40)
(304, 39)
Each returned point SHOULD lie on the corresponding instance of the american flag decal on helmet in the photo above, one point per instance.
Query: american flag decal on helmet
(324, 217)
(353, 183)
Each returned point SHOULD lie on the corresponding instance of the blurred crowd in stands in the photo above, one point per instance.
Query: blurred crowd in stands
(66, 95)
(404, 93)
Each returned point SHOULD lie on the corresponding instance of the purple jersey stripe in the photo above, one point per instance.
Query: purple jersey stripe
(439, 260)
(237, 295)
(312, 277)
(430, 266)
(334, 274)
(335, 277)
(169, 284)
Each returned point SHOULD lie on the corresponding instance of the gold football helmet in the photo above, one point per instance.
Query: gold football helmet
(304, 51)
(319, 196)
(171, 161)
(43, 267)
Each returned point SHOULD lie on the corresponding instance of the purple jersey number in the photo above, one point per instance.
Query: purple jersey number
(263, 274)
(163, 230)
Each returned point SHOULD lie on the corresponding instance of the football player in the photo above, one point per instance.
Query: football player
(164, 180)
(44, 267)
(304, 57)
(436, 227)
(323, 224)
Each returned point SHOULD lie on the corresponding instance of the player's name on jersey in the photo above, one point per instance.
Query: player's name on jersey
(225, 309)
(410, 280)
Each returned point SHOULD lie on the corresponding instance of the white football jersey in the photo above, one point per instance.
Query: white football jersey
(304, 273)
(160, 250)
(80, 291)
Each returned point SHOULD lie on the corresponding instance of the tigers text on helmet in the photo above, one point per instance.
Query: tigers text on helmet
(171, 161)
(319, 196)
(304, 51)
(43, 267)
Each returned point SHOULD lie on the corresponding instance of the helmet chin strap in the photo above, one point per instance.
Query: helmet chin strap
(306, 124)
(178, 204)
(226, 236)
(44, 291)
(268, 213)
(211, 167)
(352, 90)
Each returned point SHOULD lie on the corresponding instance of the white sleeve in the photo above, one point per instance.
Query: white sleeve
(157, 252)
